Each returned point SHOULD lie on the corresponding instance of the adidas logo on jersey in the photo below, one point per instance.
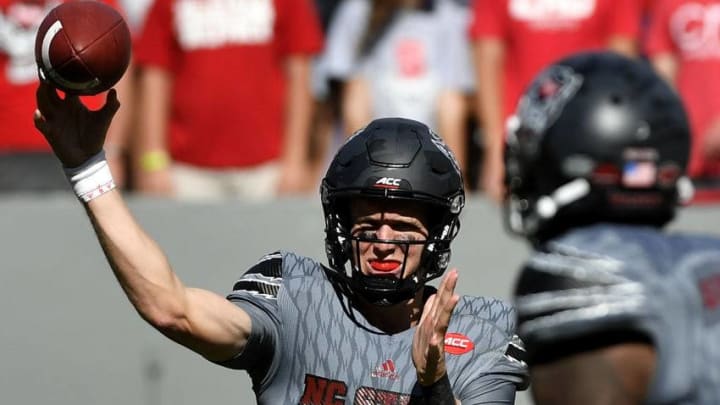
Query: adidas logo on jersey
(385, 370)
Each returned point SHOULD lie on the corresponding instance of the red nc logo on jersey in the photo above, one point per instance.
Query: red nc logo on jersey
(457, 343)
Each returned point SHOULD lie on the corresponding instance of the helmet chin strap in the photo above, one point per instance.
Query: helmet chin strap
(383, 291)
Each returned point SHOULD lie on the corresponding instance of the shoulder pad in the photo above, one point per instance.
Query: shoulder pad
(264, 278)
(562, 297)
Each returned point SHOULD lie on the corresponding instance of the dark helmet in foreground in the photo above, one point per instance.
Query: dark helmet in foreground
(392, 159)
(596, 137)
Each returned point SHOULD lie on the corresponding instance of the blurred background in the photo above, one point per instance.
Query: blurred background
(231, 112)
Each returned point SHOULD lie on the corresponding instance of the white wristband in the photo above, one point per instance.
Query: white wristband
(91, 179)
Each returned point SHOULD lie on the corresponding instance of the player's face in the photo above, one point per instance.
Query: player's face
(375, 223)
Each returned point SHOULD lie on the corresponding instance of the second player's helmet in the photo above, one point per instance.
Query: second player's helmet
(596, 137)
(393, 159)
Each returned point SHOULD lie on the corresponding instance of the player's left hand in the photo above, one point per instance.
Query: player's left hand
(428, 352)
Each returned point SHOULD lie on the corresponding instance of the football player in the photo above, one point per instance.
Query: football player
(367, 329)
(613, 309)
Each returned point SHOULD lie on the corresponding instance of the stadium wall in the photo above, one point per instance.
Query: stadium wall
(69, 336)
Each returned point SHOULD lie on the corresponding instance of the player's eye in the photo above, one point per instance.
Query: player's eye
(366, 234)
(372, 235)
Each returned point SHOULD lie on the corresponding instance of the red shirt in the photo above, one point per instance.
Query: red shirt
(19, 77)
(227, 60)
(690, 30)
(538, 32)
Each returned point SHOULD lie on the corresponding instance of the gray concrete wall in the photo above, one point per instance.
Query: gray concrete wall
(68, 335)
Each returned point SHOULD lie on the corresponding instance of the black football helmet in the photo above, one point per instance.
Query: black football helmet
(392, 159)
(596, 137)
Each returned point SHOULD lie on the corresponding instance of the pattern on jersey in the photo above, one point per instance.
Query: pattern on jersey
(264, 278)
(319, 339)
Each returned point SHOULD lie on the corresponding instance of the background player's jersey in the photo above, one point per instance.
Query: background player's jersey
(308, 347)
(629, 281)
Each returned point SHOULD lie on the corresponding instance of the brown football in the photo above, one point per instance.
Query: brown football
(83, 47)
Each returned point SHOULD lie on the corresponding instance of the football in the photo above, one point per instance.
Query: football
(82, 47)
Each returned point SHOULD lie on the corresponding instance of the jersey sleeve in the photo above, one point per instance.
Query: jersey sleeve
(507, 373)
(156, 44)
(256, 292)
(498, 368)
(566, 299)
(299, 28)
(623, 18)
(489, 19)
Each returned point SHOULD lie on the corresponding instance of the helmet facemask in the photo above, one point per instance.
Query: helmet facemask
(344, 252)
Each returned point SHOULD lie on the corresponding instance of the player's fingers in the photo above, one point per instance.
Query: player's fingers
(39, 121)
(74, 101)
(442, 291)
(427, 309)
(451, 283)
(447, 288)
(112, 104)
(449, 301)
(42, 96)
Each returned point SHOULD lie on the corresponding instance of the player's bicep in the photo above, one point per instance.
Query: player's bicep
(219, 328)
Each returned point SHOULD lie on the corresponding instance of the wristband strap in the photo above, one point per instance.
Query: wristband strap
(439, 393)
(91, 179)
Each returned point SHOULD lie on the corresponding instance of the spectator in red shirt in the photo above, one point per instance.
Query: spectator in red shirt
(515, 39)
(684, 46)
(225, 97)
(26, 161)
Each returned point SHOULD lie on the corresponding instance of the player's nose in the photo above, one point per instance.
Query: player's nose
(385, 232)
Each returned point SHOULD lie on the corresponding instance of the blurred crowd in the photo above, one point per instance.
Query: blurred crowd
(247, 99)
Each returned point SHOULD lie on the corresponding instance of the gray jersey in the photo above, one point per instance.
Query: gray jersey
(308, 347)
(631, 282)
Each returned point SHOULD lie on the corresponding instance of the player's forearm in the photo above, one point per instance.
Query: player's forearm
(138, 263)
(201, 320)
